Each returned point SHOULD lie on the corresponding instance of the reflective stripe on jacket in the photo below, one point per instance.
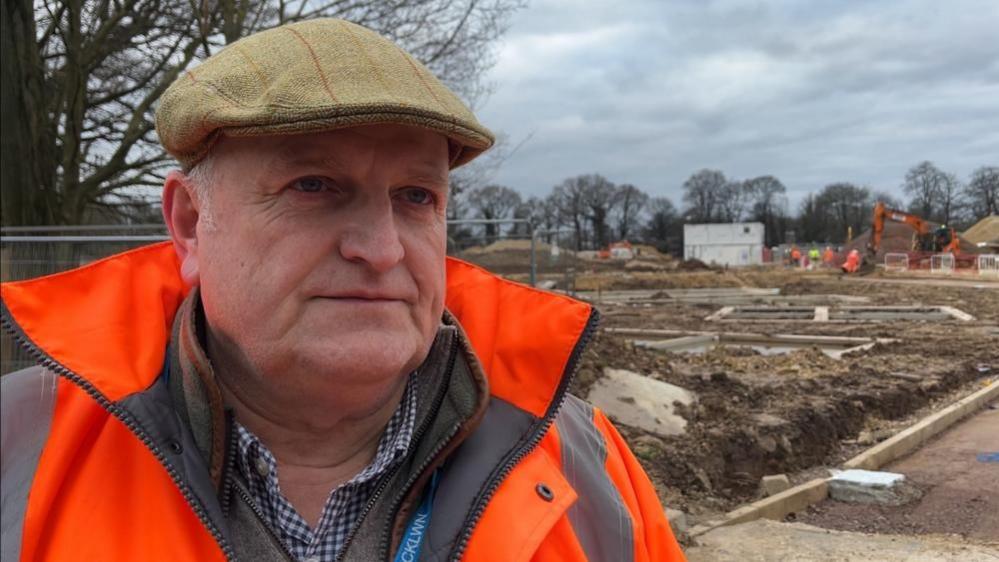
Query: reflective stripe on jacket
(93, 465)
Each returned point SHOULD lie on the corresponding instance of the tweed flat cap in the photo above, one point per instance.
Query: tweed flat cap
(311, 76)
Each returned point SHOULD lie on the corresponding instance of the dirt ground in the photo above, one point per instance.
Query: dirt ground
(958, 476)
(770, 541)
(797, 413)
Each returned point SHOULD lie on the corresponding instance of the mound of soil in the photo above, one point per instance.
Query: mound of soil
(693, 265)
(985, 230)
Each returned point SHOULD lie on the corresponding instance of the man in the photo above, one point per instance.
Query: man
(828, 257)
(300, 374)
(814, 255)
(795, 256)
(852, 262)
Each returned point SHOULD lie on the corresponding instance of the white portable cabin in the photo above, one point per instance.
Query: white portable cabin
(732, 244)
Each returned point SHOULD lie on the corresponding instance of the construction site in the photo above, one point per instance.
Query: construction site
(746, 392)
(755, 395)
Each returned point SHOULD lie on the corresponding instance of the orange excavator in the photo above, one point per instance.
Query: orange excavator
(941, 239)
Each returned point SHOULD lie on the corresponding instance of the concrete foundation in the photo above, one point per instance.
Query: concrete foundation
(725, 296)
(839, 314)
(833, 346)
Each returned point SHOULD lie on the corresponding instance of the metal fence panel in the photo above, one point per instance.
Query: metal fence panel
(988, 264)
(942, 263)
(508, 247)
(896, 262)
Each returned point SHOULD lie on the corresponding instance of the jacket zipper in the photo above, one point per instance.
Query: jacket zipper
(540, 429)
(122, 415)
(260, 515)
(229, 484)
(438, 399)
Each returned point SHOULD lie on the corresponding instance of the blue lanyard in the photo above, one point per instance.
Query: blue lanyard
(412, 541)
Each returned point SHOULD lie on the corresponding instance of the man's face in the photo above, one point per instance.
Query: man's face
(322, 267)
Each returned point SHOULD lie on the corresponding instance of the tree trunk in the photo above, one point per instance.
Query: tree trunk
(26, 173)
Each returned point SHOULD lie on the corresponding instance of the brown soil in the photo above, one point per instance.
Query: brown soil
(693, 265)
(758, 415)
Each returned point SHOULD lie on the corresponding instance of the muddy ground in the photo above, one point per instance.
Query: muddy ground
(958, 483)
(796, 413)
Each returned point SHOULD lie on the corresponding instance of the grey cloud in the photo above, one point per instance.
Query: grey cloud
(647, 92)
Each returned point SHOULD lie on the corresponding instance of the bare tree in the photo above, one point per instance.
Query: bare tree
(493, 202)
(934, 193)
(569, 197)
(888, 199)
(703, 193)
(664, 224)
(813, 221)
(951, 204)
(734, 196)
(81, 79)
(542, 214)
(629, 203)
(982, 192)
(844, 206)
(768, 205)
(598, 198)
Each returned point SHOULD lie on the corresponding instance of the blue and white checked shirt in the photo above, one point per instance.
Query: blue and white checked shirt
(343, 506)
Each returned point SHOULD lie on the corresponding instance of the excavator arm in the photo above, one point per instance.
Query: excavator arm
(921, 226)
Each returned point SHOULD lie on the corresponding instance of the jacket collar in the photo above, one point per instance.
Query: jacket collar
(109, 322)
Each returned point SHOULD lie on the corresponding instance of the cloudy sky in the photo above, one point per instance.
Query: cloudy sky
(649, 91)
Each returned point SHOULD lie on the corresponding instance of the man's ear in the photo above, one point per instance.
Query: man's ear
(180, 212)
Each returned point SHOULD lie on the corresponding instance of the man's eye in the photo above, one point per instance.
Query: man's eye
(311, 184)
(418, 196)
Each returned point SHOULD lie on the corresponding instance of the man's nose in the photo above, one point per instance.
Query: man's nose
(372, 237)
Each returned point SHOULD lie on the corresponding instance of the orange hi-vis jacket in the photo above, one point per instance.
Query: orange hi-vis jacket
(97, 463)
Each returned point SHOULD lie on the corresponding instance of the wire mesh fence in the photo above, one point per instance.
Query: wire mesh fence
(28, 252)
(512, 248)
(515, 249)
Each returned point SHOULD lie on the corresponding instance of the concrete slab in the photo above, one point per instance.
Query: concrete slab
(868, 486)
(867, 478)
(839, 314)
(764, 540)
(642, 402)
